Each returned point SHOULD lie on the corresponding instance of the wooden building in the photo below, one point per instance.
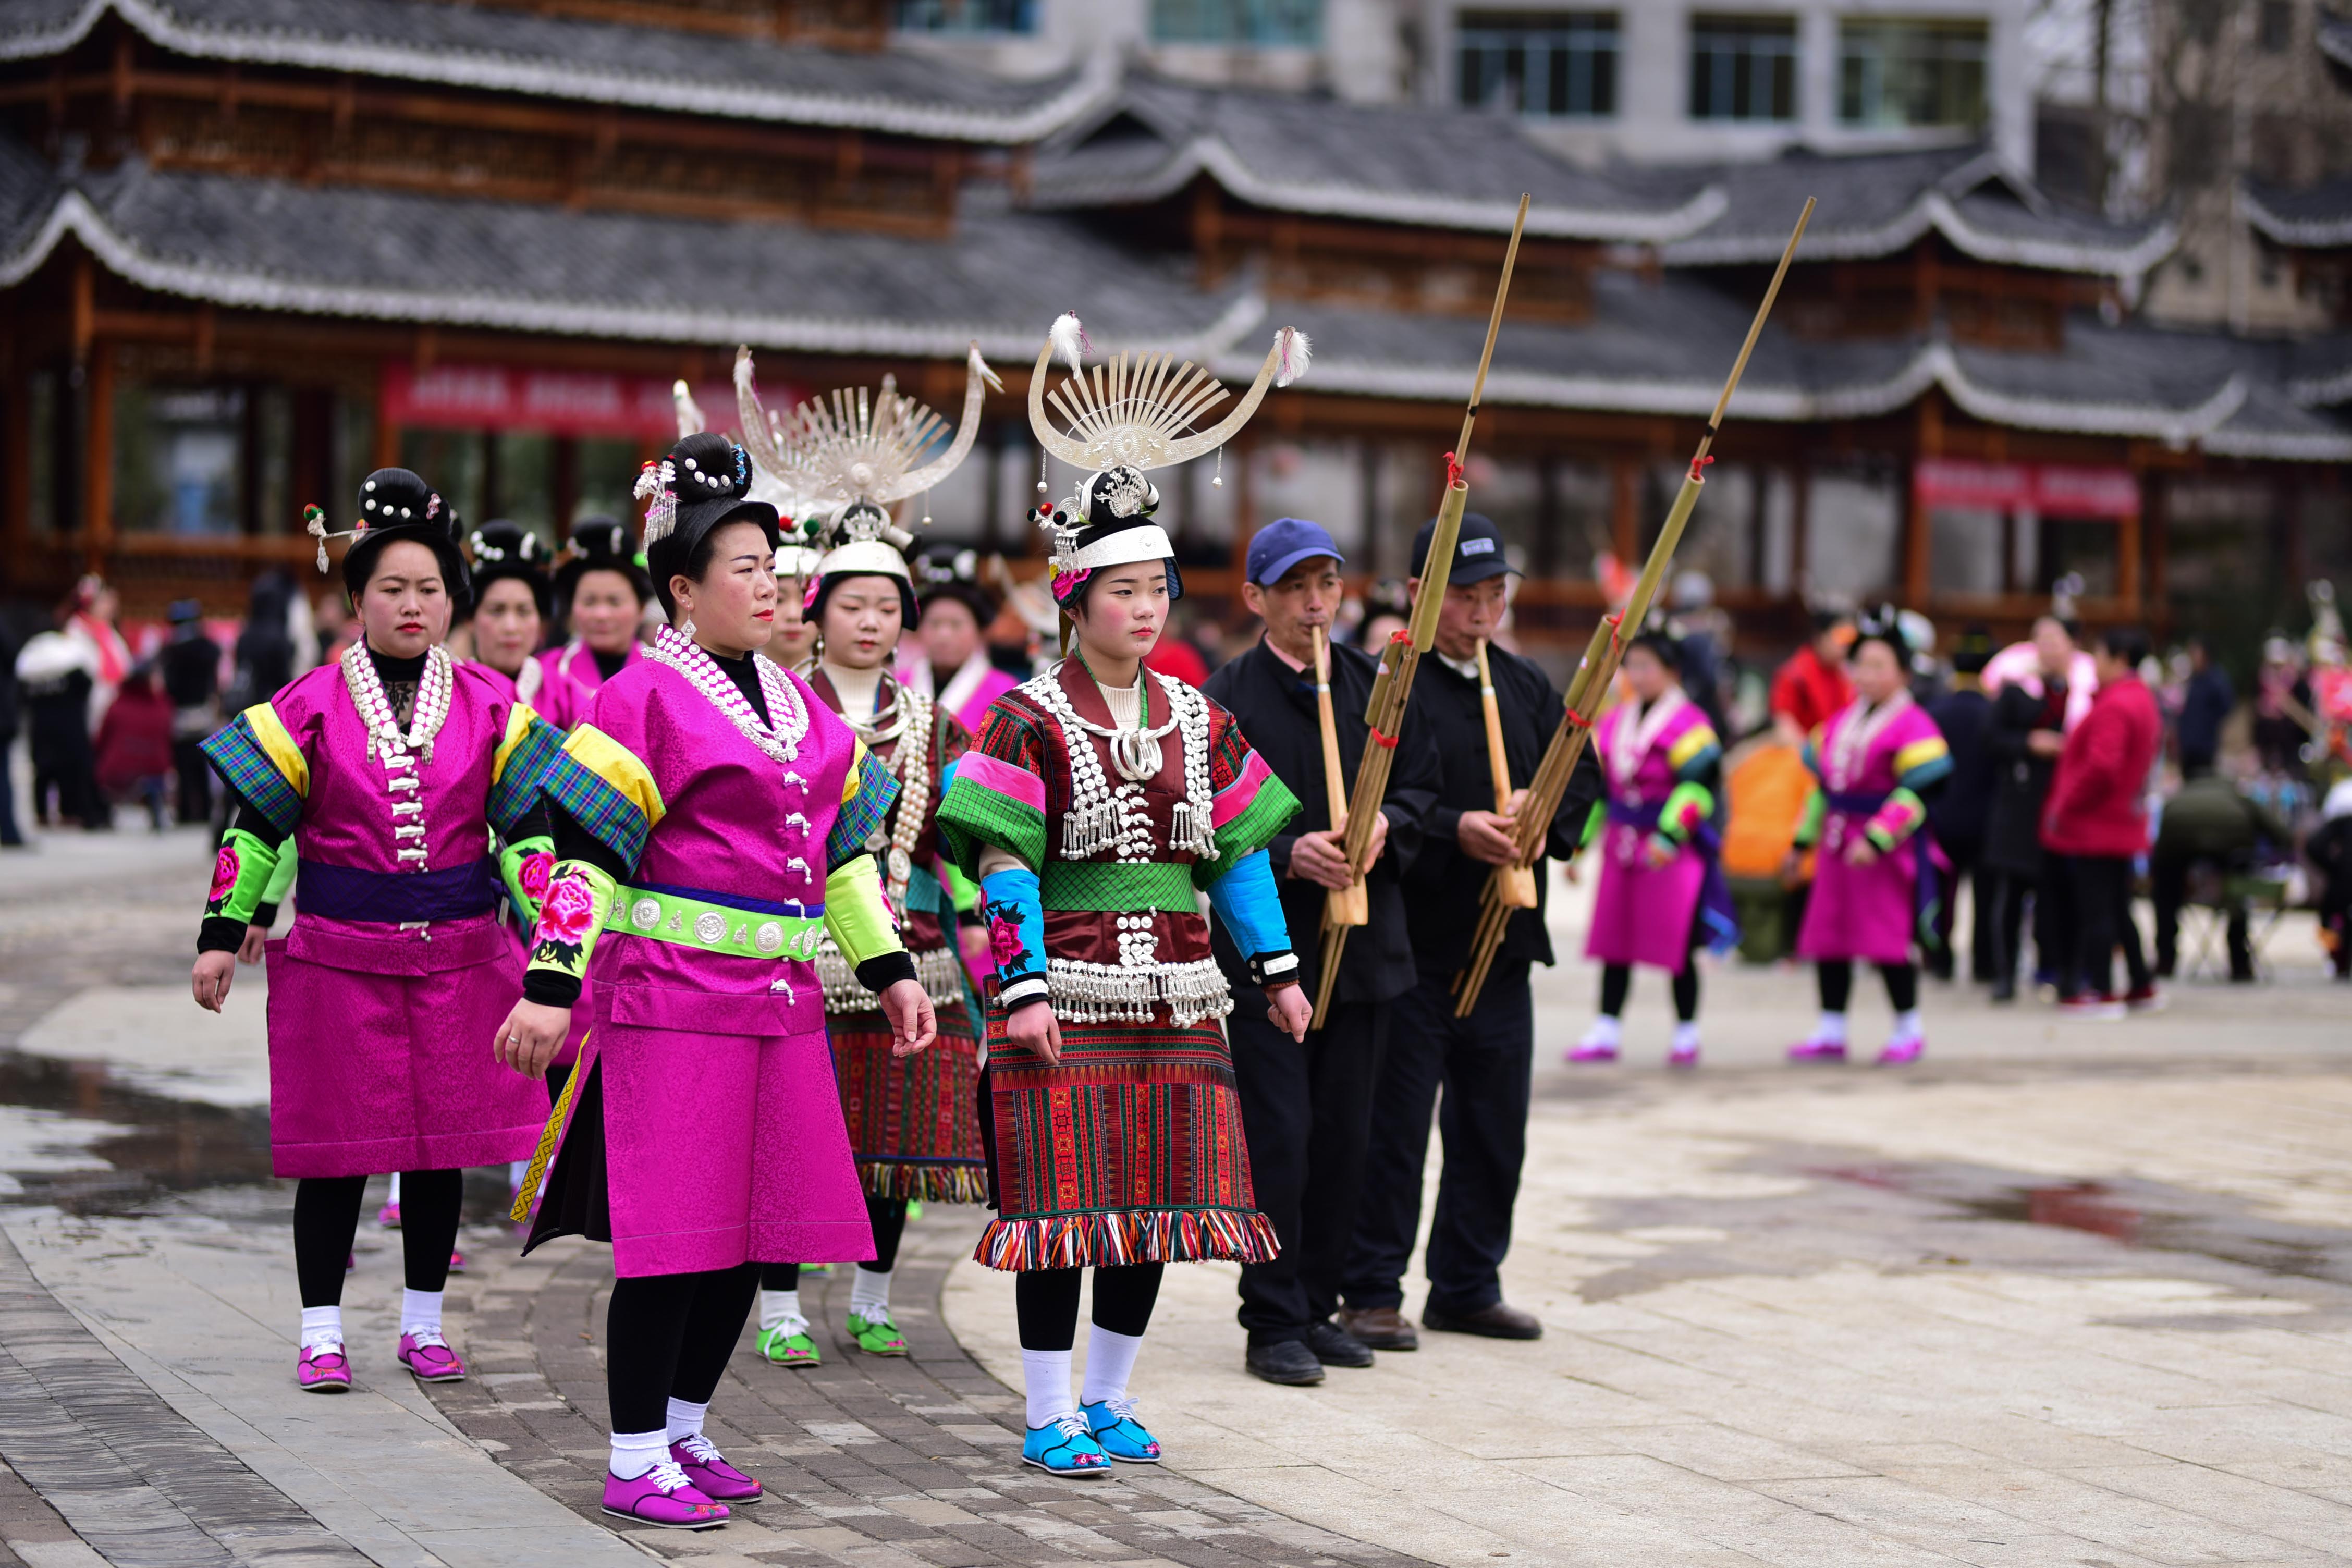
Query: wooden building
(241, 263)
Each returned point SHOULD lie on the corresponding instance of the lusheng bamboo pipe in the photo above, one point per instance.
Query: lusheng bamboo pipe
(1519, 888)
(1348, 905)
(1384, 713)
(1598, 670)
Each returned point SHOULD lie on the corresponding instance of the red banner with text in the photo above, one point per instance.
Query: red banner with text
(2049, 490)
(553, 402)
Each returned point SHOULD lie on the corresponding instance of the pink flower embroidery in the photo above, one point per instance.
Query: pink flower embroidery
(1004, 943)
(535, 873)
(225, 870)
(1069, 582)
(809, 590)
(569, 914)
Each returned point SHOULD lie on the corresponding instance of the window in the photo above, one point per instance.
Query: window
(1276, 22)
(1894, 73)
(1743, 68)
(966, 16)
(1550, 63)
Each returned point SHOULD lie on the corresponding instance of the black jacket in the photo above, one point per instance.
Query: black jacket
(2020, 780)
(1442, 887)
(1959, 812)
(1276, 708)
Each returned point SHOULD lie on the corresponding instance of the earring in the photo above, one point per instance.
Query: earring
(686, 629)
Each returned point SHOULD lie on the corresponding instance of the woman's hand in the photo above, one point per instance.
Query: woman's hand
(1863, 853)
(209, 980)
(256, 943)
(530, 1036)
(1035, 1028)
(1658, 850)
(1792, 867)
(1287, 1009)
(912, 1025)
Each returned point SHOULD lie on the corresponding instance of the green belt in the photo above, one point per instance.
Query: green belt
(1104, 885)
(712, 927)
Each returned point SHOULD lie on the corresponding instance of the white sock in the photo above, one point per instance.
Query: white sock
(1046, 1381)
(322, 1327)
(1606, 1031)
(686, 1419)
(1831, 1028)
(1907, 1026)
(419, 1310)
(395, 1199)
(869, 1293)
(635, 1453)
(778, 1308)
(1686, 1035)
(1110, 1358)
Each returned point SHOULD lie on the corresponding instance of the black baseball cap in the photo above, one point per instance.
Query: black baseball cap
(1477, 551)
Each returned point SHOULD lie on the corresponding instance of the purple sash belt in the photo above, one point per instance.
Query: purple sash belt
(393, 897)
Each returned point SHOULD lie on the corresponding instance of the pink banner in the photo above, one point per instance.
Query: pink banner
(556, 401)
(2050, 489)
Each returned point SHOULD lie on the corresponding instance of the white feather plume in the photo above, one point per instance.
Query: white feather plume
(1297, 353)
(1069, 339)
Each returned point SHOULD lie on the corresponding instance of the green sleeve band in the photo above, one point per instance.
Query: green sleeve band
(1897, 820)
(527, 883)
(577, 894)
(1686, 797)
(241, 876)
(855, 914)
(1808, 826)
(281, 877)
(1594, 820)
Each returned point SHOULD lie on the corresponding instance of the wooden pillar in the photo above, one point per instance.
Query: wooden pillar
(1625, 511)
(493, 500)
(387, 435)
(1760, 522)
(2128, 564)
(1801, 525)
(2153, 495)
(1244, 504)
(1546, 560)
(98, 456)
(313, 455)
(562, 482)
(249, 461)
(1918, 536)
(15, 462)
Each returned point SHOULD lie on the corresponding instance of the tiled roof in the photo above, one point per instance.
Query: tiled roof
(2319, 216)
(1657, 346)
(600, 62)
(2335, 38)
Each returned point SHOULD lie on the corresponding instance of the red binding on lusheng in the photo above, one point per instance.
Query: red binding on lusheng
(1378, 739)
(1453, 471)
(1699, 463)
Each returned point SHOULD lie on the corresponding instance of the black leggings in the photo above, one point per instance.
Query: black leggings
(889, 1218)
(1047, 1302)
(669, 1335)
(1617, 979)
(1837, 985)
(327, 1216)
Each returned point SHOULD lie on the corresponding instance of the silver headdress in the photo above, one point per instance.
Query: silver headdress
(1119, 421)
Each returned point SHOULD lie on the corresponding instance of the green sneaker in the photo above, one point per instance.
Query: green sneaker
(788, 1344)
(876, 1336)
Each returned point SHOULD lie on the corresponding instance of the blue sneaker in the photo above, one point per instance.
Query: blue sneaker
(1063, 1447)
(1121, 1436)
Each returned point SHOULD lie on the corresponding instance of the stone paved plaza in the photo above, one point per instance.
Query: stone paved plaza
(2064, 1294)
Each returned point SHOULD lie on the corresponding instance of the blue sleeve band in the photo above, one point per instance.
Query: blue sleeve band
(1015, 914)
(1244, 899)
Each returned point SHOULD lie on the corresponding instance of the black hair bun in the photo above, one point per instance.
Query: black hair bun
(501, 542)
(397, 498)
(603, 540)
(708, 467)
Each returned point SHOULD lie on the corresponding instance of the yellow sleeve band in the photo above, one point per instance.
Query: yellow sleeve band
(849, 780)
(277, 743)
(856, 916)
(520, 719)
(1919, 752)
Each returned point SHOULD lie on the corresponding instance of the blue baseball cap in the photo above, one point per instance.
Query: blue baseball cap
(1284, 543)
(1477, 551)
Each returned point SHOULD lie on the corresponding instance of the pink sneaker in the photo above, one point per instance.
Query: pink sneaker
(388, 1217)
(457, 1261)
(325, 1370)
(663, 1498)
(710, 1475)
(428, 1355)
(1683, 1056)
(1592, 1052)
(1817, 1049)
(1899, 1053)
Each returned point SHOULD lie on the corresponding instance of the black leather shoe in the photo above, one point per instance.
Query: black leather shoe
(1495, 1322)
(1285, 1361)
(2004, 990)
(1335, 1346)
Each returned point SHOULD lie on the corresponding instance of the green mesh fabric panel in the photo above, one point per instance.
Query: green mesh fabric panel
(1104, 885)
(972, 815)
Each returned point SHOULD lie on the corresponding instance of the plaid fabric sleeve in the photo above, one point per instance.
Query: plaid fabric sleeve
(1250, 806)
(531, 746)
(998, 796)
(861, 812)
(609, 817)
(239, 754)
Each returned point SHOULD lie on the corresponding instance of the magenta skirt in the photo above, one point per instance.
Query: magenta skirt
(380, 1051)
(1643, 913)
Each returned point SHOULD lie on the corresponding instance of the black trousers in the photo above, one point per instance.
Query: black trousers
(1617, 979)
(1307, 1111)
(327, 1218)
(1476, 1072)
(668, 1336)
(2101, 888)
(195, 803)
(1968, 866)
(2168, 881)
(9, 832)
